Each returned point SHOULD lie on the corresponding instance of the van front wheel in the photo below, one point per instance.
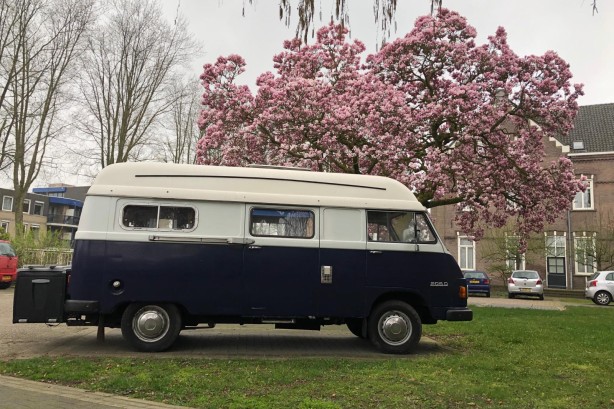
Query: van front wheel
(151, 327)
(394, 327)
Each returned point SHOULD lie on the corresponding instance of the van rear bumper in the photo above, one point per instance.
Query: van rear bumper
(459, 314)
(81, 307)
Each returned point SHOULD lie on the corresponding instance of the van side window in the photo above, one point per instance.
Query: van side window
(158, 217)
(403, 227)
(282, 223)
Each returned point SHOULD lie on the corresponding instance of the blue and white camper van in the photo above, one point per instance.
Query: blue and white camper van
(164, 247)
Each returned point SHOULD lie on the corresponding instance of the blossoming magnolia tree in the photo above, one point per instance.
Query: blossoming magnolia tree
(458, 123)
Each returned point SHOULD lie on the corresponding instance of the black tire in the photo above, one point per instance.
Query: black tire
(510, 295)
(151, 327)
(602, 298)
(4, 286)
(541, 297)
(355, 326)
(394, 327)
(488, 294)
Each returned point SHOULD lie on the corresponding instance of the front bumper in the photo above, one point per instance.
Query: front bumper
(459, 314)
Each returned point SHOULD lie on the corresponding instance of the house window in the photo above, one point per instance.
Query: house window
(466, 253)
(7, 204)
(35, 229)
(39, 208)
(26, 206)
(585, 254)
(514, 259)
(155, 217)
(282, 223)
(5, 226)
(585, 200)
(555, 246)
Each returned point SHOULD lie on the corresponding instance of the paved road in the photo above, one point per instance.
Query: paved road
(224, 341)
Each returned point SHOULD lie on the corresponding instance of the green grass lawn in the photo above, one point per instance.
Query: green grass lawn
(505, 358)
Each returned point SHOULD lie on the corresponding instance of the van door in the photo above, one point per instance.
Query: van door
(402, 251)
(342, 263)
(281, 267)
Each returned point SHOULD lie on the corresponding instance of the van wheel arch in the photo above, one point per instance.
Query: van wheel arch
(414, 300)
(151, 327)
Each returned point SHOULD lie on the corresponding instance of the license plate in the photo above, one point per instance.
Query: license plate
(474, 281)
(526, 290)
(6, 278)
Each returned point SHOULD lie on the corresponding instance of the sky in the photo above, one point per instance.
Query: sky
(568, 27)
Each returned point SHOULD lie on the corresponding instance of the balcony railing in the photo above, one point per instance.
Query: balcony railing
(61, 219)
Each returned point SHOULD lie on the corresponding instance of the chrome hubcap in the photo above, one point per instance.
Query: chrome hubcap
(151, 323)
(395, 327)
(602, 298)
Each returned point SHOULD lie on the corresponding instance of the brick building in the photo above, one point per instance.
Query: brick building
(581, 241)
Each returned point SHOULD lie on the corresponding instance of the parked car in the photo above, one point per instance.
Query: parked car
(8, 264)
(600, 287)
(525, 282)
(477, 282)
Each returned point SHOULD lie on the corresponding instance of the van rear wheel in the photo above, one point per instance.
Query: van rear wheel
(151, 327)
(394, 327)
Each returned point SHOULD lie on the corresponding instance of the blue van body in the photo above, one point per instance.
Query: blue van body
(163, 247)
(211, 280)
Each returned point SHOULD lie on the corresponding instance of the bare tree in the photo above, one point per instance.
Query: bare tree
(179, 142)
(44, 39)
(131, 63)
(9, 52)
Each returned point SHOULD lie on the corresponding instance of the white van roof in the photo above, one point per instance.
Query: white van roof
(252, 185)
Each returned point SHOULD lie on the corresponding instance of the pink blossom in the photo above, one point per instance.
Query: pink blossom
(454, 121)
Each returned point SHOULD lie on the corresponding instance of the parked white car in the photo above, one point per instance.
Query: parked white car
(600, 287)
(525, 282)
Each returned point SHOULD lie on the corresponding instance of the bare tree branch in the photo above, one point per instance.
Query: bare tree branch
(41, 45)
(130, 65)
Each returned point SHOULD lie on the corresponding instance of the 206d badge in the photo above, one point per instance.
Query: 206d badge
(439, 283)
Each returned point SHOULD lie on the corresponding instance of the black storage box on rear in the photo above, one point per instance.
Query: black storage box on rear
(40, 293)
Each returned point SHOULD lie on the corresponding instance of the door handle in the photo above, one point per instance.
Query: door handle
(375, 252)
(252, 247)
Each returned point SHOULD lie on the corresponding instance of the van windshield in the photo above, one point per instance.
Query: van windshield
(398, 226)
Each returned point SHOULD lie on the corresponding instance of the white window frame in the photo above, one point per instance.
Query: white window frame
(579, 202)
(10, 209)
(511, 262)
(28, 203)
(556, 247)
(35, 229)
(42, 205)
(5, 224)
(466, 253)
(583, 268)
